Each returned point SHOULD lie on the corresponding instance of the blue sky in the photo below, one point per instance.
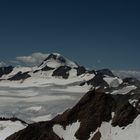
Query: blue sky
(94, 33)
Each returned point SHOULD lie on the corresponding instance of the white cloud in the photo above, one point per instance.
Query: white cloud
(129, 73)
(33, 59)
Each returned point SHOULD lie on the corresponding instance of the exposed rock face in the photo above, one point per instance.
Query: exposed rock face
(89, 117)
(46, 68)
(97, 136)
(5, 70)
(124, 115)
(132, 81)
(91, 111)
(56, 57)
(80, 70)
(105, 72)
(62, 71)
(20, 76)
(97, 81)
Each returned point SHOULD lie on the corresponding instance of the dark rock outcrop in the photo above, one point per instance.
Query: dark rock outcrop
(5, 70)
(20, 76)
(97, 136)
(80, 70)
(91, 111)
(62, 71)
(131, 81)
(56, 57)
(124, 115)
(97, 81)
(105, 72)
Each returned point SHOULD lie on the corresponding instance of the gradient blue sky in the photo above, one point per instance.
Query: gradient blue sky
(95, 33)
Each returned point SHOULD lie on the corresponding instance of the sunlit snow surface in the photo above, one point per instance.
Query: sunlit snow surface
(130, 132)
(68, 133)
(7, 128)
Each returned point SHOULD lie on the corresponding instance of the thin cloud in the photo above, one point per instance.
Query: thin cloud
(32, 60)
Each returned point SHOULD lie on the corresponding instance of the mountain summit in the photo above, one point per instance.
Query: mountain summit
(55, 60)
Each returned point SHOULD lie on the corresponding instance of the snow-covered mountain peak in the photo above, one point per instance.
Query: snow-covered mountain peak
(55, 60)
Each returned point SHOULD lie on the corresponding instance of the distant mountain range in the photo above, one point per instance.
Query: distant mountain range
(108, 111)
(124, 74)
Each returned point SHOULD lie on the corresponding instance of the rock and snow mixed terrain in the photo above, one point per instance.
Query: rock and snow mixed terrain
(7, 128)
(108, 111)
(10, 126)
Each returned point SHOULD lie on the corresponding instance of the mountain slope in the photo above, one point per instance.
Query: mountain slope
(55, 65)
(56, 69)
(9, 126)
